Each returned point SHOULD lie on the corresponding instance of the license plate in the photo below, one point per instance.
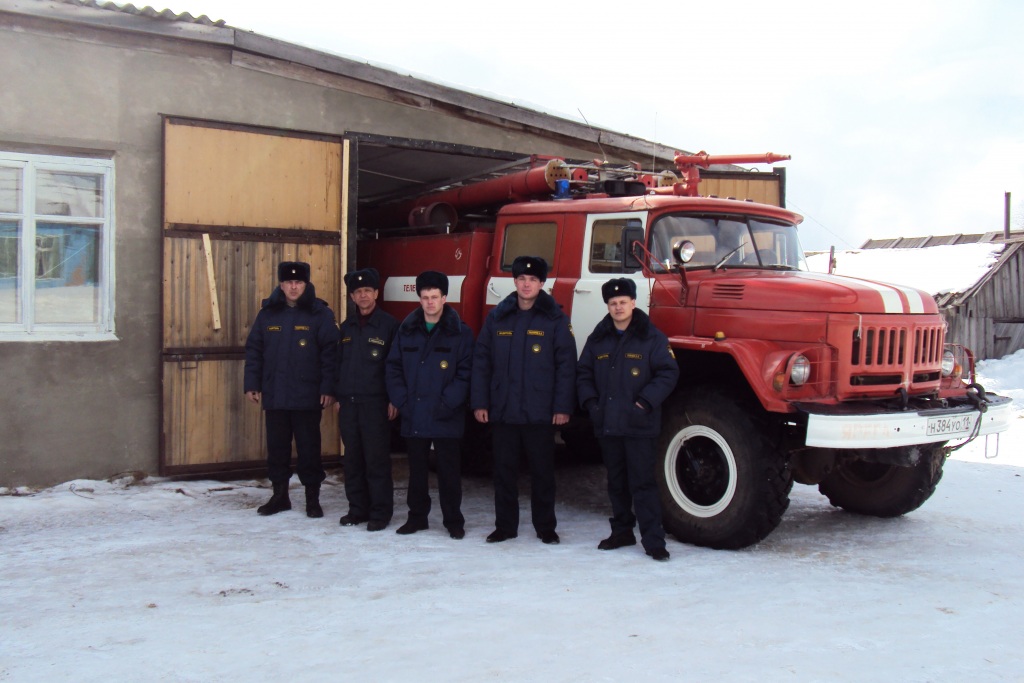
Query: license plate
(946, 426)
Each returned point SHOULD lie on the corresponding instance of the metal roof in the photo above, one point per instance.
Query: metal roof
(147, 11)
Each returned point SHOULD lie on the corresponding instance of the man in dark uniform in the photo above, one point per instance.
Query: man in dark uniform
(626, 371)
(428, 373)
(524, 369)
(363, 407)
(290, 358)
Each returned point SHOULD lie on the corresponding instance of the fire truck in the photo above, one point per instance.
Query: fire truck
(786, 375)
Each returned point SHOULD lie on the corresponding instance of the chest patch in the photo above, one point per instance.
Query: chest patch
(346, 340)
(504, 333)
(302, 328)
(603, 356)
(274, 328)
(535, 333)
(635, 356)
(376, 340)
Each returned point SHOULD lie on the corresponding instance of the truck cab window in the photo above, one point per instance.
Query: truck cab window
(529, 239)
(742, 242)
(606, 245)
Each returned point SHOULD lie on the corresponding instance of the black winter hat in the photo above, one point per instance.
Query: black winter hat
(293, 270)
(367, 277)
(530, 265)
(431, 279)
(619, 286)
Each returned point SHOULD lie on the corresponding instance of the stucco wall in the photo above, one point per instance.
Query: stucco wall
(91, 409)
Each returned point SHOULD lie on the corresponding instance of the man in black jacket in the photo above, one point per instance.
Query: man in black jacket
(363, 407)
(290, 357)
(626, 371)
(427, 375)
(524, 372)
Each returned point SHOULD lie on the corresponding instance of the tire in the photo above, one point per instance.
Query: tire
(723, 480)
(881, 490)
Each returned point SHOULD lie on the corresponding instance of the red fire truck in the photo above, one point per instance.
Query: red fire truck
(786, 375)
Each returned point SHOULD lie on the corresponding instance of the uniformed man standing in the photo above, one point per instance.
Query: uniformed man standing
(524, 370)
(428, 372)
(290, 358)
(626, 371)
(363, 408)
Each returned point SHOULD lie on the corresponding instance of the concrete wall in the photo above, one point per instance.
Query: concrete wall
(91, 409)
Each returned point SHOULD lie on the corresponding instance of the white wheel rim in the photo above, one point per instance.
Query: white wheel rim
(676, 491)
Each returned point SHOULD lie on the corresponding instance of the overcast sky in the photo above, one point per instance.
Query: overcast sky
(902, 117)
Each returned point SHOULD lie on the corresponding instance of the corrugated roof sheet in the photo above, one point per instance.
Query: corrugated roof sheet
(147, 11)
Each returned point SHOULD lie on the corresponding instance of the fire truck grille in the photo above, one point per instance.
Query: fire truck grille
(885, 347)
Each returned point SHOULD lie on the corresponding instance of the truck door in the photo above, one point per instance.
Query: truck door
(605, 257)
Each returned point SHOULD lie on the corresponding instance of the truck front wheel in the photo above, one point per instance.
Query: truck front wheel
(882, 490)
(724, 482)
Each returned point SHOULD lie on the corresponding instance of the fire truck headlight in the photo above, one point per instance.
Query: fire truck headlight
(948, 363)
(801, 371)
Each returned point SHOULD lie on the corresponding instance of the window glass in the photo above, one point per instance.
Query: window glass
(67, 273)
(606, 246)
(529, 239)
(10, 253)
(56, 237)
(69, 194)
(732, 241)
(10, 189)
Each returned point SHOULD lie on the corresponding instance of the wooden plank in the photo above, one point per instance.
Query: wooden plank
(207, 419)
(246, 273)
(212, 281)
(225, 177)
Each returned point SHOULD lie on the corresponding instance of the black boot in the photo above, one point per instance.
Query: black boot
(279, 502)
(313, 508)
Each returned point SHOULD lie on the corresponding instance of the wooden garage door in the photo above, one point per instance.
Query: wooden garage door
(237, 201)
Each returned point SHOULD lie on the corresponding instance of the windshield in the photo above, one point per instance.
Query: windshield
(732, 241)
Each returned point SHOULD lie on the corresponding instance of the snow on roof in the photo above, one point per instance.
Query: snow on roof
(936, 270)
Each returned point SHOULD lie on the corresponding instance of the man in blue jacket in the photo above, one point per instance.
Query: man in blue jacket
(524, 370)
(626, 371)
(363, 408)
(290, 357)
(427, 374)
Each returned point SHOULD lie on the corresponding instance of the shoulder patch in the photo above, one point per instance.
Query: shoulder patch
(671, 352)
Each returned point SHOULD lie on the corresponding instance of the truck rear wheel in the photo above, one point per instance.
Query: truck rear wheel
(881, 490)
(724, 483)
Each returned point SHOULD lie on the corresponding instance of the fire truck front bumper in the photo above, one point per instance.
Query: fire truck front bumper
(869, 426)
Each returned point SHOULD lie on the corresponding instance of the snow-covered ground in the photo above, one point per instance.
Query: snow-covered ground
(159, 580)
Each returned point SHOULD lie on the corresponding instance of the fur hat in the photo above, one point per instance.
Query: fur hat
(530, 265)
(293, 270)
(619, 286)
(367, 277)
(431, 279)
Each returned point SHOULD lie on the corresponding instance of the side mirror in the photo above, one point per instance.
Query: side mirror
(683, 251)
(631, 260)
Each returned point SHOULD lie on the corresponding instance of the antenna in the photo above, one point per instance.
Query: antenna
(603, 155)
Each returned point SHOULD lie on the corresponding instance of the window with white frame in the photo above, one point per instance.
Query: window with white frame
(56, 247)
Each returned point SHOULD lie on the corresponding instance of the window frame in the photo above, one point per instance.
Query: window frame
(28, 329)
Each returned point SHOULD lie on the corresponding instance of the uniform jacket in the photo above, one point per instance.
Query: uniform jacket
(291, 352)
(524, 365)
(362, 354)
(428, 375)
(618, 371)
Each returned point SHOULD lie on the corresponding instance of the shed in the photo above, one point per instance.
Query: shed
(154, 168)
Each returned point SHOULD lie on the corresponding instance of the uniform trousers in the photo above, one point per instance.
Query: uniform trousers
(630, 462)
(366, 433)
(449, 480)
(304, 427)
(537, 441)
